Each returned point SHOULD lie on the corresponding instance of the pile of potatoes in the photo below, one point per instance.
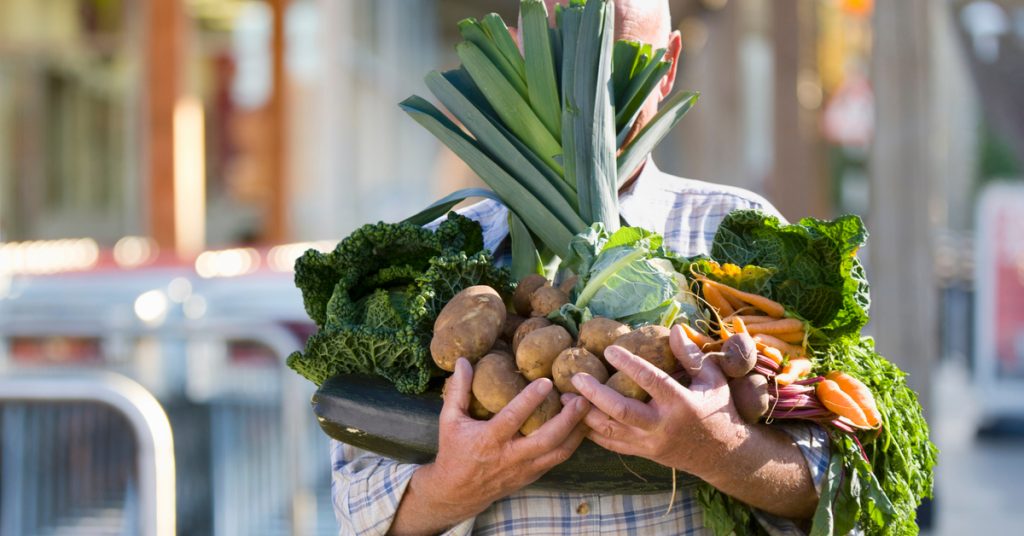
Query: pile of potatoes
(512, 346)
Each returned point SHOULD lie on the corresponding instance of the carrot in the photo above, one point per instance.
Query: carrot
(786, 325)
(752, 319)
(771, 307)
(771, 353)
(738, 326)
(860, 394)
(733, 301)
(784, 347)
(792, 337)
(697, 337)
(841, 404)
(717, 301)
(793, 371)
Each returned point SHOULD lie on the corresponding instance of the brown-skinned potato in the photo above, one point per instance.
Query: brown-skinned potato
(650, 343)
(467, 326)
(546, 300)
(526, 288)
(572, 361)
(496, 381)
(526, 327)
(599, 333)
(625, 386)
(538, 350)
(544, 413)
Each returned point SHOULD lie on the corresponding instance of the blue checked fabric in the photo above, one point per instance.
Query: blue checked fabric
(367, 488)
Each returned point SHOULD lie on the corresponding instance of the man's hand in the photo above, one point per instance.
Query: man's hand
(479, 462)
(696, 429)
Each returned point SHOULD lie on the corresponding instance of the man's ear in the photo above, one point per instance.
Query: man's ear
(672, 53)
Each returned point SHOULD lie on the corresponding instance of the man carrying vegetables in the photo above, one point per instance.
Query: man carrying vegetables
(478, 482)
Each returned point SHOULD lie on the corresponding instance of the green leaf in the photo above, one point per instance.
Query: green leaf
(640, 87)
(636, 152)
(499, 34)
(624, 58)
(525, 259)
(510, 106)
(501, 148)
(569, 22)
(542, 222)
(540, 65)
(591, 111)
(475, 32)
(442, 206)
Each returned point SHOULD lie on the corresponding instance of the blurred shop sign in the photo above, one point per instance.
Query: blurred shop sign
(999, 307)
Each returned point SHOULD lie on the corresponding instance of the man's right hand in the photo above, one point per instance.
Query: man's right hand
(479, 462)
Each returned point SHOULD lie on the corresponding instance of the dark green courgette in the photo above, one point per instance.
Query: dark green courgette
(368, 413)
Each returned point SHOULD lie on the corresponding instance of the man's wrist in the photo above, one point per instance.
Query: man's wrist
(448, 501)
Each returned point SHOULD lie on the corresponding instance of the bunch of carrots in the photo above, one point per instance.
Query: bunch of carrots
(836, 398)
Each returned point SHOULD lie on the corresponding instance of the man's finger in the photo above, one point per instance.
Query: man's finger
(628, 448)
(457, 391)
(625, 410)
(603, 425)
(564, 450)
(710, 377)
(510, 419)
(554, 432)
(650, 378)
(685, 350)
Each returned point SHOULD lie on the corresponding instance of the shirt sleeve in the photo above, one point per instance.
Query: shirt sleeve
(366, 490)
(813, 442)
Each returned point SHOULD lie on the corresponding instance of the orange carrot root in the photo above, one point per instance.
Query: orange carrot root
(770, 307)
(786, 325)
(787, 349)
(860, 394)
(717, 301)
(841, 403)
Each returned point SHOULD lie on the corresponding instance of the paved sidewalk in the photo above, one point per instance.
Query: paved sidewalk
(978, 481)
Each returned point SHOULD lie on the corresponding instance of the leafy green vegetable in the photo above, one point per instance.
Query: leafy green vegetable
(375, 298)
(816, 270)
(627, 276)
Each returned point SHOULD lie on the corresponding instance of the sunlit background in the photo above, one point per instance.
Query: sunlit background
(163, 162)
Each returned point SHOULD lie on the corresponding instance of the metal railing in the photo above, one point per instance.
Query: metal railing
(66, 444)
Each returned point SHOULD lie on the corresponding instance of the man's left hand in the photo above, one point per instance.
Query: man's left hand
(690, 428)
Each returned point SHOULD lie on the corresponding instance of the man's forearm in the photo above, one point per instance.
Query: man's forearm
(764, 468)
(425, 510)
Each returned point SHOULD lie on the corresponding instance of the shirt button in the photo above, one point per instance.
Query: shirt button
(583, 509)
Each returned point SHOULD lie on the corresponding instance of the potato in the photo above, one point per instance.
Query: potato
(467, 326)
(526, 327)
(496, 381)
(650, 343)
(599, 333)
(525, 288)
(544, 413)
(477, 410)
(512, 323)
(538, 350)
(547, 299)
(625, 386)
(572, 361)
(567, 285)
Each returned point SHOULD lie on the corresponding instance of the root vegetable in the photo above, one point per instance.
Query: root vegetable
(567, 285)
(750, 396)
(738, 355)
(842, 404)
(526, 328)
(860, 394)
(717, 301)
(599, 333)
(477, 410)
(786, 325)
(526, 288)
(544, 413)
(770, 307)
(650, 343)
(793, 371)
(467, 326)
(625, 386)
(572, 361)
(546, 300)
(538, 350)
(496, 381)
(512, 323)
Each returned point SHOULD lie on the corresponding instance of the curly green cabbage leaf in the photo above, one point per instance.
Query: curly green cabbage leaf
(376, 296)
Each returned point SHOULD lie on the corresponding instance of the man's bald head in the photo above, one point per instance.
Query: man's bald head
(647, 21)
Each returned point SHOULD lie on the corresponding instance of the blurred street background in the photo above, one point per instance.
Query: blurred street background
(163, 163)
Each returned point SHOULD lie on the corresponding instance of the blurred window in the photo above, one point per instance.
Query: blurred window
(68, 117)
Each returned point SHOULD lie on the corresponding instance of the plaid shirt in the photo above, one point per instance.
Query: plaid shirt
(367, 488)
